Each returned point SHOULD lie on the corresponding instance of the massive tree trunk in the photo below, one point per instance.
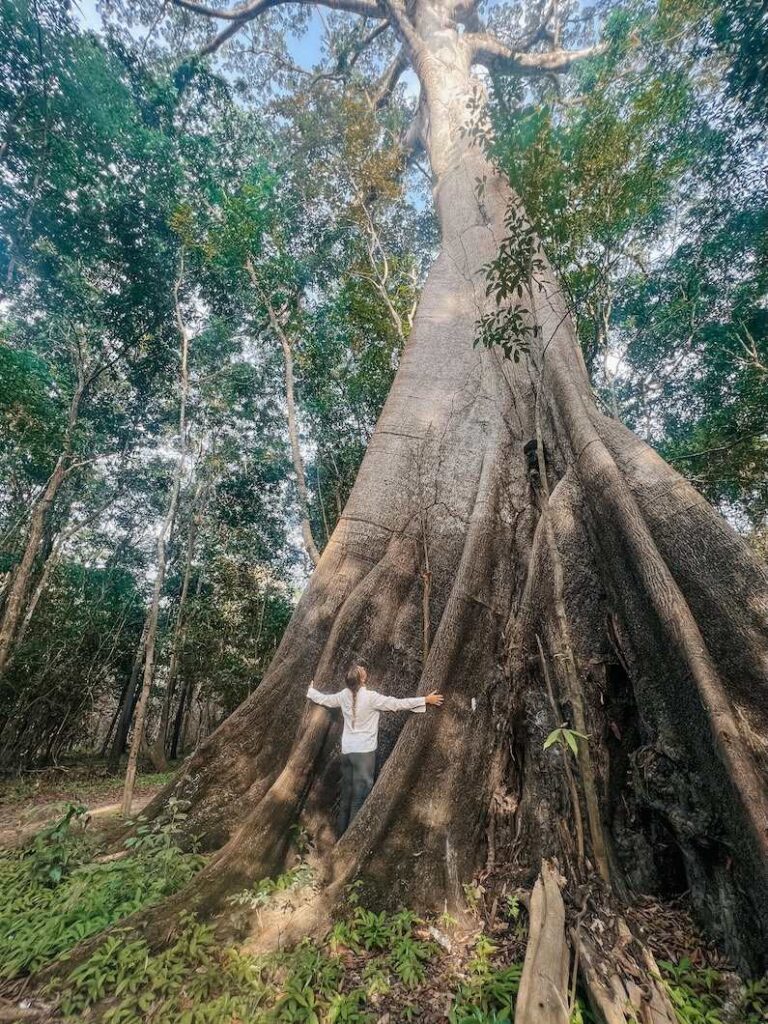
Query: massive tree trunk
(590, 581)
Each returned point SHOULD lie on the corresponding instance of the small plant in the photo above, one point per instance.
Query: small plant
(514, 911)
(447, 921)
(354, 892)
(300, 840)
(161, 833)
(753, 1001)
(377, 979)
(56, 850)
(566, 738)
(580, 1014)
(692, 992)
(473, 894)
(512, 904)
(489, 996)
(264, 890)
(348, 1008)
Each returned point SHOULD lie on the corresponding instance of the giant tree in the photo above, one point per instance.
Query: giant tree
(507, 543)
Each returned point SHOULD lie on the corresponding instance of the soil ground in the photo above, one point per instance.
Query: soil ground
(31, 801)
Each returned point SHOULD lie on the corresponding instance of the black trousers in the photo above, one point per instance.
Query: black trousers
(358, 772)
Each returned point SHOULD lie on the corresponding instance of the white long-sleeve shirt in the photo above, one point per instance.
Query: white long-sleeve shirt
(362, 736)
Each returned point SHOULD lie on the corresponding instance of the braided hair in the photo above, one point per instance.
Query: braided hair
(355, 679)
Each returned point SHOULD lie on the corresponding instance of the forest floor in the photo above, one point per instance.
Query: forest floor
(59, 884)
(31, 801)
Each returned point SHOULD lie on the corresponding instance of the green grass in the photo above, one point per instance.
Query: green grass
(54, 894)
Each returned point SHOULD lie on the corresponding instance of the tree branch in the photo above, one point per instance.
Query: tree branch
(251, 9)
(390, 78)
(726, 447)
(398, 15)
(363, 45)
(538, 32)
(243, 13)
(491, 52)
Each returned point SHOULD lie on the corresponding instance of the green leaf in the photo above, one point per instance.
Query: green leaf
(553, 737)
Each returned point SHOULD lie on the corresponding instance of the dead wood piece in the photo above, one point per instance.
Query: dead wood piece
(624, 985)
(543, 995)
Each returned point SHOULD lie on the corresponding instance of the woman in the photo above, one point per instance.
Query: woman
(360, 708)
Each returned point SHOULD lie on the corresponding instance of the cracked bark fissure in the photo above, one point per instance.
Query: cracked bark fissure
(638, 548)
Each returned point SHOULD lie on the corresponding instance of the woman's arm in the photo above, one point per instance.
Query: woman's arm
(328, 700)
(384, 703)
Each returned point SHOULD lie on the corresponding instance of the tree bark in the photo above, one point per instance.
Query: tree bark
(665, 611)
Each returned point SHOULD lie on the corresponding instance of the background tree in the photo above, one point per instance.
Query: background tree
(94, 220)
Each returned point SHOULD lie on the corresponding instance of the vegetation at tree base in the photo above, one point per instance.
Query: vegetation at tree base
(298, 366)
(368, 965)
(55, 895)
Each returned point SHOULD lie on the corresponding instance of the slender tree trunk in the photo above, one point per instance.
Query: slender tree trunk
(16, 599)
(158, 749)
(165, 529)
(40, 587)
(293, 428)
(50, 563)
(128, 700)
(185, 699)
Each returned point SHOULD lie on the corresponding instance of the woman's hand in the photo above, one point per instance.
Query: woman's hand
(434, 698)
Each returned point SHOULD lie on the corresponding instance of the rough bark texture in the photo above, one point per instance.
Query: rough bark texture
(665, 606)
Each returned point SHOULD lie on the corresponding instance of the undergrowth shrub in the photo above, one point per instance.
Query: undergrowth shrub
(54, 894)
(390, 933)
(195, 981)
(488, 996)
(264, 890)
(700, 995)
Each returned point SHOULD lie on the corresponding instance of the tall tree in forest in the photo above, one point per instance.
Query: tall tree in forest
(71, 235)
(94, 167)
(571, 568)
(176, 478)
